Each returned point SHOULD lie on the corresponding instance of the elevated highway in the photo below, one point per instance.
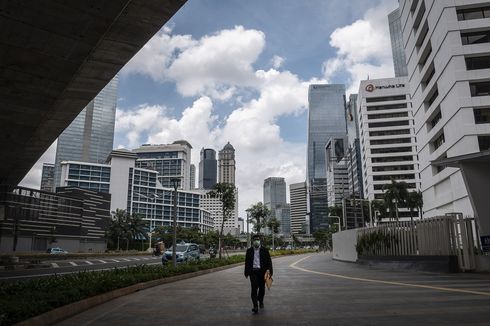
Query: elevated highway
(55, 57)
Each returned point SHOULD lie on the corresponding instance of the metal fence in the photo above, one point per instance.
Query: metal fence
(450, 235)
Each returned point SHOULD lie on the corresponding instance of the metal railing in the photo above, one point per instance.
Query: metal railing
(450, 235)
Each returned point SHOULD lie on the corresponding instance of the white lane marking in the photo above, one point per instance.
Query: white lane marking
(102, 261)
(72, 263)
(89, 262)
(136, 259)
(125, 259)
(293, 265)
(115, 260)
(145, 258)
(54, 265)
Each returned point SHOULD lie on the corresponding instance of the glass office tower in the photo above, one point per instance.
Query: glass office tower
(326, 119)
(208, 169)
(90, 137)
(397, 48)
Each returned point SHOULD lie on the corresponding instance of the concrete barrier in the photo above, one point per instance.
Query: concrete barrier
(344, 245)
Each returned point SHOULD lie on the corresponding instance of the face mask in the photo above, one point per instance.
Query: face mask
(256, 243)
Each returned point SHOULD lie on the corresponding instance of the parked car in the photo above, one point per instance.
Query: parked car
(183, 253)
(56, 251)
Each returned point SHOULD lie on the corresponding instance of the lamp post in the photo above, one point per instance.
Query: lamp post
(248, 232)
(175, 183)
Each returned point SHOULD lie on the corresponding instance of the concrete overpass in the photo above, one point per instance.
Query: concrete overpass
(55, 57)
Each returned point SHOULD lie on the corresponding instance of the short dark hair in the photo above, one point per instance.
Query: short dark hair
(256, 236)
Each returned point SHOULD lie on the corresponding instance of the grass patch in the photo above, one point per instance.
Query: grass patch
(21, 300)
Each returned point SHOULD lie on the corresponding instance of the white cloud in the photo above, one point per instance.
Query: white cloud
(33, 177)
(363, 48)
(277, 61)
(211, 66)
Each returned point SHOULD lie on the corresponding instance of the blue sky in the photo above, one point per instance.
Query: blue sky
(239, 71)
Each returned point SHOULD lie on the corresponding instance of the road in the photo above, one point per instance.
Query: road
(76, 265)
(86, 264)
(308, 290)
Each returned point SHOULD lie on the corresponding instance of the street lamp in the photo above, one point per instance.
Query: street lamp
(175, 183)
(153, 197)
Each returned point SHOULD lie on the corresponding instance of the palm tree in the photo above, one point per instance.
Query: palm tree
(136, 227)
(395, 195)
(379, 206)
(414, 200)
(117, 227)
(226, 193)
(259, 213)
(273, 223)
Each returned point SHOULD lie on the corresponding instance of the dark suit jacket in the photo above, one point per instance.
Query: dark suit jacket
(265, 261)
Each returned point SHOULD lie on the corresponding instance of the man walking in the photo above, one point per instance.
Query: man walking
(257, 262)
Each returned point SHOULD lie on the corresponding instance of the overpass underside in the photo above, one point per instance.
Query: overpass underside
(55, 57)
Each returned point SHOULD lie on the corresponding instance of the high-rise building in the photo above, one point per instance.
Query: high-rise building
(47, 177)
(226, 164)
(297, 193)
(171, 161)
(326, 119)
(337, 175)
(388, 143)
(90, 137)
(449, 43)
(138, 190)
(397, 48)
(274, 193)
(193, 177)
(207, 169)
(353, 152)
(283, 215)
(214, 206)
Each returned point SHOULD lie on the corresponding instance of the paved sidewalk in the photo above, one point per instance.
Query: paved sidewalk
(315, 290)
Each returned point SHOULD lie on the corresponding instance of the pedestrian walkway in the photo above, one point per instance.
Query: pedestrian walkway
(308, 290)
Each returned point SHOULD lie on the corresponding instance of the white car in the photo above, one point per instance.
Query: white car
(56, 251)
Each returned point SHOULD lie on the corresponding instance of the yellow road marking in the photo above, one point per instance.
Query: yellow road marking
(293, 265)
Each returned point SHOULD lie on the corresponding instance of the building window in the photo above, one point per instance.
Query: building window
(431, 98)
(438, 141)
(388, 124)
(386, 107)
(389, 133)
(473, 13)
(482, 115)
(474, 63)
(480, 88)
(484, 143)
(435, 120)
(387, 115)
(390, 150)
(390, 141)
(386, 98)
(475, 37)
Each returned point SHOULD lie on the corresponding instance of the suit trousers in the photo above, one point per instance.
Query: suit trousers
(257, 284)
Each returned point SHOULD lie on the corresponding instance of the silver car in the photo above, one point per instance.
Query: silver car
(183, 253)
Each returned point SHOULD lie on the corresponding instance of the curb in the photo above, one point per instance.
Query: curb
(64, 312)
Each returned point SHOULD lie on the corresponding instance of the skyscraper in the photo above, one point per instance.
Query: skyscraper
(326, 119)
(193, 177)
(171, 161)
(226, 164)
(389, 148)
(353, 151)
(297, 192)
(207, 168)
(90, 137)
(47, 177)
(274, 193)
(337, 175)
(449, 46)
(397, 48)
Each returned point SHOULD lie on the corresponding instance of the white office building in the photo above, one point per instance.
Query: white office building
(298, 208)
(171, 161)
(447, 43)
(137, 190)
(388, 143)
(214, 206)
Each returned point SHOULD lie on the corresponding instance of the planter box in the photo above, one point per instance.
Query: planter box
(439, 264)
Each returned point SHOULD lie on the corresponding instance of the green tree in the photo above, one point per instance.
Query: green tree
(226, 193)
(136, 228)
(273, 224)
(259, 214)
(415, 201)
(337, 211)
(380, 207)
(117, 227)
(395, 196)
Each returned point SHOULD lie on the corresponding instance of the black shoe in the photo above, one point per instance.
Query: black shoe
(255, 310)
(261, 305)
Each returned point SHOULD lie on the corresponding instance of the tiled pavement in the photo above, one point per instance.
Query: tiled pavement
(314, 291)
